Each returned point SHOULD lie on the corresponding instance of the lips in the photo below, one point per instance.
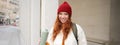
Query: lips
(63, 20)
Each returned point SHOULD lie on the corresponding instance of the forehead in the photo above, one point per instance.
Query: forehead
(64, 12)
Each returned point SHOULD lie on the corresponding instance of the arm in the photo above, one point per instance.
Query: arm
(81, 36)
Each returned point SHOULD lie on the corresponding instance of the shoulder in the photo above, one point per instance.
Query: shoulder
(79, 28)
(51, 30)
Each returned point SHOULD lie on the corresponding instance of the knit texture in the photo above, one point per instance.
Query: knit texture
(65, 7)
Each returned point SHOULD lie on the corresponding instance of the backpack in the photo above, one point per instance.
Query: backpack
(74, 28)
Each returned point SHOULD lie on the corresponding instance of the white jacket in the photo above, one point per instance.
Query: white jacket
(70, 39)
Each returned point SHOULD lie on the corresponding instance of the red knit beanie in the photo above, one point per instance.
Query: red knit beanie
(65, 7)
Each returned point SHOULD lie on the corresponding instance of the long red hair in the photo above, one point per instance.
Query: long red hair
(64, 27)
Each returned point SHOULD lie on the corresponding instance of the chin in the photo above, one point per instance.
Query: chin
(63, 22)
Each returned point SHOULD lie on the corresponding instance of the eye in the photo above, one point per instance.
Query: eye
(60, 14)
(66, 14)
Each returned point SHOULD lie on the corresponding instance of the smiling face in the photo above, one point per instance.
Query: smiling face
(63, 17)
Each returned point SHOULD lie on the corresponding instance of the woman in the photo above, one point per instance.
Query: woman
(62, 33)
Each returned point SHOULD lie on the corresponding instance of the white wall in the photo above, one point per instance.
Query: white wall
(25, 22)
(48, 13)
(35, 21)
(30, 21)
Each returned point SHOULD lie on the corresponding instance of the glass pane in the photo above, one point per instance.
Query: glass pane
(9, 22)
(9, 12)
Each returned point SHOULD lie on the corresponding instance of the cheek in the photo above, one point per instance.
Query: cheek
(66, 17)
(59, 17)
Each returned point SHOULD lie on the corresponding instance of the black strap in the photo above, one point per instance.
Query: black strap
(74, 28)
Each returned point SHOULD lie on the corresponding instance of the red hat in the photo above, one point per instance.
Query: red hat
(65, 7)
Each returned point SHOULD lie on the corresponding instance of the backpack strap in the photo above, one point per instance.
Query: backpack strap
(74, 28)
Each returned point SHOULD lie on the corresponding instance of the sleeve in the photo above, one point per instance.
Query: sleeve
(81, 36)
(49, 38)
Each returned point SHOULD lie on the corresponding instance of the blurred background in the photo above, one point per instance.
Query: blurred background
(9, 12)
(9, 22)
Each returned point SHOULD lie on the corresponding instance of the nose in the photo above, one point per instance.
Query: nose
(62, 16)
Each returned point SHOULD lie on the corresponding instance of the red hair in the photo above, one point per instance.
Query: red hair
(64, 27)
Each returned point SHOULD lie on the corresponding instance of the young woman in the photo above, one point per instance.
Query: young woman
(62, 32)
